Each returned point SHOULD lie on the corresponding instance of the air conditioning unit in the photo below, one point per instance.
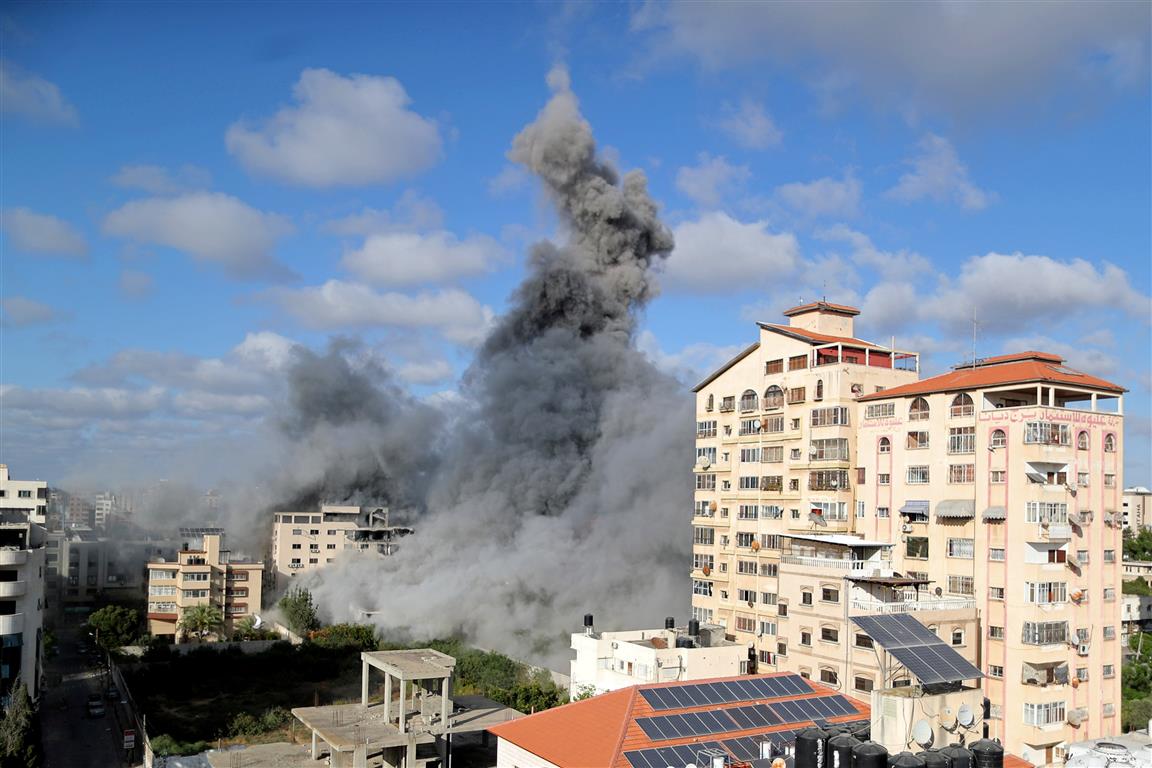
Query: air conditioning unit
(906, 528)
(1083, 648)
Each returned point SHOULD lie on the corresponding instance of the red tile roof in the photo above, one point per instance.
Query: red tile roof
(1021, 368)
(600, 730)
(818, 338)
(841, 309)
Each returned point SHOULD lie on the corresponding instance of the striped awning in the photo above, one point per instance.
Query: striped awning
(956, 508)
(915, 508)
(996, 513)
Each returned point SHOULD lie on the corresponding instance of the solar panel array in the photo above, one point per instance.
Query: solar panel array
(719, 721)
(706, 694)
(742, 748)
(918, 648)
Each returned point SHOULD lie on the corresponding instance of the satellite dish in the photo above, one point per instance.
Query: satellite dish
(939, 591)
(705, 462)
(964, 716)
(922, 733)
(947, 719)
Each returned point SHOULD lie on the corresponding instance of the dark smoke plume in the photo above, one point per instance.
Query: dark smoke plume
(560, 485)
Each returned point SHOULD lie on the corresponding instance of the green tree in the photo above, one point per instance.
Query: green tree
(114, 626)
(202, 620)
(19, 745)
(1138, 546)
(246, 630)
(299, 611)
(1136, 586)
(362, 637)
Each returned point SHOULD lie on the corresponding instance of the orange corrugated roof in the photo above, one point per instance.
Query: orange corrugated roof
(1023, 368)
(599, 731)
(1011, 761)
(816, 305)
(819, 338)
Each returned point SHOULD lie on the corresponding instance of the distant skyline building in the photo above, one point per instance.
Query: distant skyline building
(1137, 508)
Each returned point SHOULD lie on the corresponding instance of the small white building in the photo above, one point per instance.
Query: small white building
(608, 661)
(29, 497)
(1136, 616)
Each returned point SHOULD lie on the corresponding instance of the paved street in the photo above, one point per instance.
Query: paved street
(71, 738)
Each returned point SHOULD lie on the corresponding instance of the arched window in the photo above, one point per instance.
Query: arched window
(1109, 443)
(711, 402)
(820, 390)
(998, 439)
(774, 397)
(748, 401)
(1082, 441)
(962, 405)
(918, 410)
(885, 445)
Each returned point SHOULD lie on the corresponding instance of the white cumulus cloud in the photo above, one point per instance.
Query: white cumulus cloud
(353, 130)
(158, 180)
(937, 174)
(710, 179)
(24, 93)
(826, 197)
(749, 125)
(410, 258)
(716, 252)
(21, 312)
(212, 227)
(40, 233)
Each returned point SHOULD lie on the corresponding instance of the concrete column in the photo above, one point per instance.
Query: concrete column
(444, 702)
(410, 758)
(387, 696)
(400, 722)
(365, 671)
(315, 747)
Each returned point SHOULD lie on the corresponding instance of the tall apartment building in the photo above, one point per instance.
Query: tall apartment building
(21, 601)
(203, 573)
(305, 541)
(818, 500)
(27, 496)
(1137, 508)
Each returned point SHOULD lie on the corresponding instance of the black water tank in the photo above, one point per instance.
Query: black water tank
(840, 749)
(987, 754)
(693, 627)
(811, 748)
(933, 759)
(959, 757)
(905, 760)
(587, 620)
(670, 623)
(869, 755)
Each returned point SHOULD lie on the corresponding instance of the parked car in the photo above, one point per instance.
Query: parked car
(95, 705)
(112, 694)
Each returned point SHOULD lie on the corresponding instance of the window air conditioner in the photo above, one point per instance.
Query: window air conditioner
(1083, 648)
(906, 528)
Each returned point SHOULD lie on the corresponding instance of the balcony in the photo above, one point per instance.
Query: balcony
(1054, 531)
(13, 588)
(13, 556)
(12, 624)
(914, 606)
(829, 563)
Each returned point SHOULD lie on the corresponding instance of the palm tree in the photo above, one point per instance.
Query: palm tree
(201, 620)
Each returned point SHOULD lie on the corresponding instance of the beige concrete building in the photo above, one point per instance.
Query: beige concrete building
(1137, 508)
(22, 602)
(306, 541)
(27, 496)
(831, 482)
(203, 573)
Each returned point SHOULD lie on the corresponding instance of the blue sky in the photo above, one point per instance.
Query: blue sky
(189, 190)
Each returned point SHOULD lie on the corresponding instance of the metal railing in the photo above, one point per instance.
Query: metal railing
(911, 606)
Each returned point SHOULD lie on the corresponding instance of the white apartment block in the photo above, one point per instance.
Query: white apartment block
(306, 541)
(608, 661)
(831, 482)
(21, 601)
(1137, 508)
(27, 496)
(203, 573)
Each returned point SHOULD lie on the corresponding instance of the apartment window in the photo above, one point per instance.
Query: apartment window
(746, 595)
(772, 483)
(297, 531)
(1109, 481)
(961, 473)
(702, 615)
(829, 450)
(705, 536)
(1045, 632)
(1083, 479)
(1109, 710)
(863, 641)
(706, 428)
(701, 561)
(806, 598)
(195, 577)
(828, 480)
(24, 494)
(883, 512)
(768, 598)
(774, 366)
(314, 548)
(745, 539)
(829, 595)
(749, 455)
(1109, 444)
(1044, 714)
(994, 670)
(997, 476)
(883, 478)
(962, 406)
(772, 424)
(1082, 556)
(748, 511)
(769, 569)
(957, 637)
(749, 401)
(1057, 556)
(916, 441)
(1046, 433)
(195, 593)
(706, 455)
(749, 482)
(805, 637)
(795, 424)
(794, 485)
(1046, 592)
(960, 585)
(1109, 555)
(781, 648)
(706, 482)
(297, 546)
(700, 587)
(767, 628)
(996, 554)
(1082, 441)
(962, 440)
(295, 561)
(314, 532)
(1109, 632)
(829, 676)
(728, 404)
(859, 510)
(830, 634)
(831, 510)
(829, 417)
(795, 395)
(1109, 594)
(746, 567)
(1108, 670)
(918, 474)
(918, 411)
(1046, 512)
(961, 548)
(819, 390)
(797, 362)
(745, 624)
(996, 633)
(772, 454)
(749, 426)
(998, 439)
(1082, 674)
(880, 410)
(711, 403)
(917, 547)
(771, 512)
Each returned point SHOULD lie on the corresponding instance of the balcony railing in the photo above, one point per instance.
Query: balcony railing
(912, 606)
(1054, 531)
(829, 562)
